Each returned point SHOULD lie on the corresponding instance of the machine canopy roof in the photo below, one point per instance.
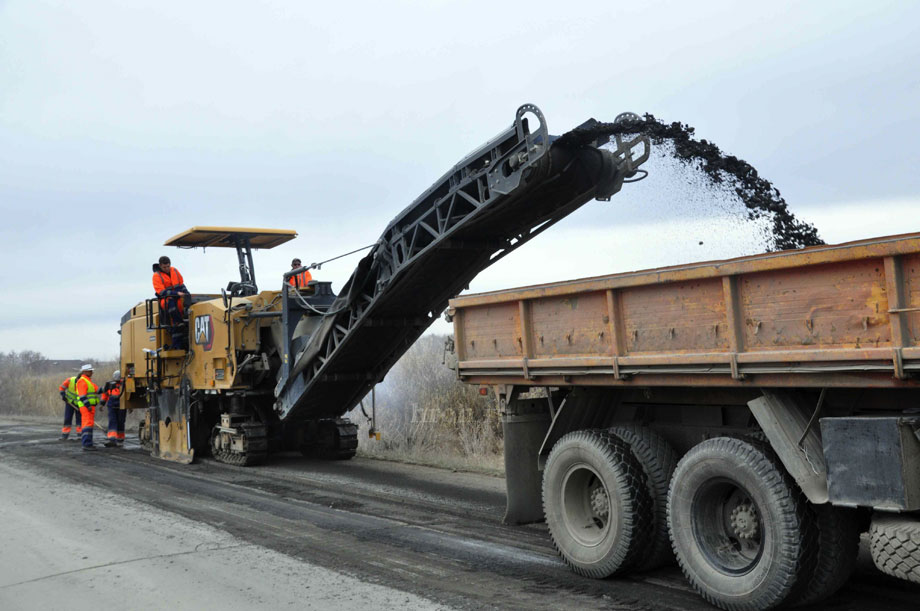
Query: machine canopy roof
(227, 237)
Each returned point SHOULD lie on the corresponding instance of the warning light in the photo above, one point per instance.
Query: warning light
(483, 391)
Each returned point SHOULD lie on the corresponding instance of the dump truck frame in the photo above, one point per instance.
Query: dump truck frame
(776, 391)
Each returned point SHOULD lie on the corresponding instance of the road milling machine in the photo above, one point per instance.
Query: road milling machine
(277, 369)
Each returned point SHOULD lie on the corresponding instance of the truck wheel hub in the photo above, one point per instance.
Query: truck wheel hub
(600, 504)
(744, 521)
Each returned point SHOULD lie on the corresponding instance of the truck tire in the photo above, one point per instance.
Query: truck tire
(596, 503)
(658, 460)
(838, 547)
(894, 542)
(741, 529)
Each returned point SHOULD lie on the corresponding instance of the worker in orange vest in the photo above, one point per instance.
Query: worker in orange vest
(86, 398)
(111, 399)
(70, 409)
(301, 280)
(168, 285)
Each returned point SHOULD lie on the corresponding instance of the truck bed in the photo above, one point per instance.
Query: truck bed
(844, 315)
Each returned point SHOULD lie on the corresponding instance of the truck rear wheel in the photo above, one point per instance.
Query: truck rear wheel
(658, 460)
(596, 503)
(894, 542)
(741, 529)
(838, 547)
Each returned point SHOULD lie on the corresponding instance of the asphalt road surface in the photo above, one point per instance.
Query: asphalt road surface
(80, 530)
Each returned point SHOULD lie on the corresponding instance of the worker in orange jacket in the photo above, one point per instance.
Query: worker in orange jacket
(70, 409)
(168, 285)
(111, 399)
(301, 280)
(86, 398)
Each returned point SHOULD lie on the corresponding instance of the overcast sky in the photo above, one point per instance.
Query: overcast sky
(124, 123)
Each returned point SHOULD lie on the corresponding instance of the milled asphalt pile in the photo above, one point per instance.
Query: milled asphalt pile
(761, 199)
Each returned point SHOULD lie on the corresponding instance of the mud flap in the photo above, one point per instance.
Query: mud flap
(784, 418)
(171, 435)
(524, 426)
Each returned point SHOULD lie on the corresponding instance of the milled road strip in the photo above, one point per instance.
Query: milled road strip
(69, 545)
(408, 528)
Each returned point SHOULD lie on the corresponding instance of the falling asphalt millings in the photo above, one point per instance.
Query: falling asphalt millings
(758, 194)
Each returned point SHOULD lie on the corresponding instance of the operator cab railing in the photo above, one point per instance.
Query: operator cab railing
(154, 318)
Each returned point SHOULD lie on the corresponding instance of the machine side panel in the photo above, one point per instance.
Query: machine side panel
(828, 316)
(839, 305)
(678, 317)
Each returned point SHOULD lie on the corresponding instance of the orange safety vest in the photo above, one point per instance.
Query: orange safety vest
(300, 280)
(87, 393)
(70, 389)
(112, 391)
(162, 281)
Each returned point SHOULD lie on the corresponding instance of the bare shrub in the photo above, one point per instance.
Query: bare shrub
(26, 393)
(426, 415)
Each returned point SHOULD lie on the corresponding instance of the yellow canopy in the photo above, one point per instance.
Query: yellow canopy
(225, 237)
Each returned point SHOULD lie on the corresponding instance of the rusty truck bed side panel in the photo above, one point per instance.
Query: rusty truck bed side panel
(842, 315)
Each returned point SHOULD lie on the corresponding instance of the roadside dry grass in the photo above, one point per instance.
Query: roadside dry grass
(38, 394)
(25, 393)
(427, 416)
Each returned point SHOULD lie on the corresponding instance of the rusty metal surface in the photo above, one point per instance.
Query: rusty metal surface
(775, 380)
(906, 244)
(844, 315)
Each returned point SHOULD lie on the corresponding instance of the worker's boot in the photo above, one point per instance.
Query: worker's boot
(111, 443)
(63, 437)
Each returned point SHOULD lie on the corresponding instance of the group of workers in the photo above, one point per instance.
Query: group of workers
(81, 398)
(81, 395)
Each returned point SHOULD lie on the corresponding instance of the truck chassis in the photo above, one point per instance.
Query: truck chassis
(755, 414)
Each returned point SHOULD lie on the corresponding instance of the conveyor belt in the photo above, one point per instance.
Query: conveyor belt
(494, 200)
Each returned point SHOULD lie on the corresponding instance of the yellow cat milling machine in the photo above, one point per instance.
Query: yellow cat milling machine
(219, 392)
(277, 369)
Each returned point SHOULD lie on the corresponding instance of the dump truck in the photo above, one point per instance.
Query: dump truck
(247, 371)
(751, 416)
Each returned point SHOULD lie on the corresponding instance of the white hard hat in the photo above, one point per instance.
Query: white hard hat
(117, 374)
(87, 367)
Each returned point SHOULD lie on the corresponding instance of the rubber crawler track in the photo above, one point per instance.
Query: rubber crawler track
(256, 443)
